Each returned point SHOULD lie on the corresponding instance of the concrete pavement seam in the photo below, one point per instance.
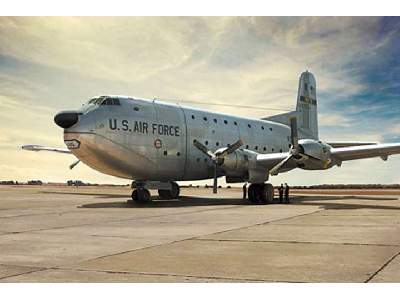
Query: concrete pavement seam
(382, 267)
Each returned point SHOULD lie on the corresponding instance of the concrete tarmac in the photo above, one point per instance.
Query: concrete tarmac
(91, 234)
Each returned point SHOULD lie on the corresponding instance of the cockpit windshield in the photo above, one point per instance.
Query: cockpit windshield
(104, 101)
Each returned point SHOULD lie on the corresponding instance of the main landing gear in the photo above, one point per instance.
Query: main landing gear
(261, 193)
(166, 190)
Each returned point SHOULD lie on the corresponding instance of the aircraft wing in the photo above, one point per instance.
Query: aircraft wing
(42, 148)
(270, 160)
(367, 151)
(349, 144)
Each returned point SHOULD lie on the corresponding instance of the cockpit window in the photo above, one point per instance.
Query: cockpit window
(104, 101)
(111, 101)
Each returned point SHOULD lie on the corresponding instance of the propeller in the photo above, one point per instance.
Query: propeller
(217, 157)
(74, 164)
(294, 150)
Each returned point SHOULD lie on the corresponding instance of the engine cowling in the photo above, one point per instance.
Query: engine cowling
(318, 155)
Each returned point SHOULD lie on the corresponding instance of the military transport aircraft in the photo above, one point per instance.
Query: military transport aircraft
(155, 143)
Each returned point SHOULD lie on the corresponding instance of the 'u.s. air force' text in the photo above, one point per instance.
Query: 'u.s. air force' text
(144, 127)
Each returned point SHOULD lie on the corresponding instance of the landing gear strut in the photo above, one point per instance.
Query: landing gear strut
(261, 193)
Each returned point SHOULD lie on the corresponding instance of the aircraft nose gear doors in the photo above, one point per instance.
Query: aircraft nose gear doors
(261, 193)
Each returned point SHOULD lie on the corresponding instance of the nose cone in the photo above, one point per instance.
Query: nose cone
(66, 119)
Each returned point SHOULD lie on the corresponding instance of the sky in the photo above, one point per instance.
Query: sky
(48, 64)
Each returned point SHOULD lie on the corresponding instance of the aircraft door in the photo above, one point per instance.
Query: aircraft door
(170, 141)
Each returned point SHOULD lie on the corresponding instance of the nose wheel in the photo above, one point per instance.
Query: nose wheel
(173, 193)
(141, 195)
(261, 193)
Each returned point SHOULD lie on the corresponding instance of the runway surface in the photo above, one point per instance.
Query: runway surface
(90, 234)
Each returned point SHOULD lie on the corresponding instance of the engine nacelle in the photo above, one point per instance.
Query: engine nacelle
(318, 155)
(236, 164)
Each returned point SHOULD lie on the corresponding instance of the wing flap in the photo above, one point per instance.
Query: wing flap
(350, 144)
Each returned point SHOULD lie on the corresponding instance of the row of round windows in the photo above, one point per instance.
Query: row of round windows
(247, 147)
(226, 122)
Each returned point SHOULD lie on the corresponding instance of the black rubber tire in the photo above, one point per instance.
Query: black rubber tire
(253, 194)
(134, 195)
(175, 191)
(143, 196)
(164, 194)
(270, 189)
(263, 192)
(170, 194)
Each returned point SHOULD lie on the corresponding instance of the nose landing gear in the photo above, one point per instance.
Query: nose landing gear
(261, 193)
(172, 193)
(141, 195)
(166, 190)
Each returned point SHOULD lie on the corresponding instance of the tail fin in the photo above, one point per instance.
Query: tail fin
(306, 108)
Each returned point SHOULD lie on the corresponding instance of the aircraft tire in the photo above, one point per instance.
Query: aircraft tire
(170, 194)
(175, 191)
(141, 196)
(266, 193)
(134, 195)
(253, 193)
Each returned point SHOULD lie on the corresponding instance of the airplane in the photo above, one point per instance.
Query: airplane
(156, 143)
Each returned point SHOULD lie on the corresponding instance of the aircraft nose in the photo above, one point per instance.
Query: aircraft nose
(66, 119)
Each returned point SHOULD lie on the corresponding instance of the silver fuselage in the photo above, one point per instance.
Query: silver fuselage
(152, 140)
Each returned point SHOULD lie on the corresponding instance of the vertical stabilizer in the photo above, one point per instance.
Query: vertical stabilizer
(306, 109)
(307, 106)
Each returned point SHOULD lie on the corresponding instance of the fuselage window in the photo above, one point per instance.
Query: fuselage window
(205, 118)
(280, 150)
(248, 125)
(270, 129)
(247, 146)
(262, 127)
(178, 154)
(225, 121)
(206, 142)
(217, 144)
(136, 108)
(265, 148)
(272, 149)
(215, 120)
(193, 117)
(256, 147)
(235, 123)
(165, 152)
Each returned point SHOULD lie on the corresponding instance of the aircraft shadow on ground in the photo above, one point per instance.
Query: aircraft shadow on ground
(311, 200)
(183, 201)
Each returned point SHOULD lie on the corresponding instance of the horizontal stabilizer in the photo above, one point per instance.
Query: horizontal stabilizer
(42, 148)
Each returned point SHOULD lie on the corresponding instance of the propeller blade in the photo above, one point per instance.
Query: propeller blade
(232, 148)
(275, 170)
(294, 134)
(215, 185)
(203, 149)
(74, 164)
